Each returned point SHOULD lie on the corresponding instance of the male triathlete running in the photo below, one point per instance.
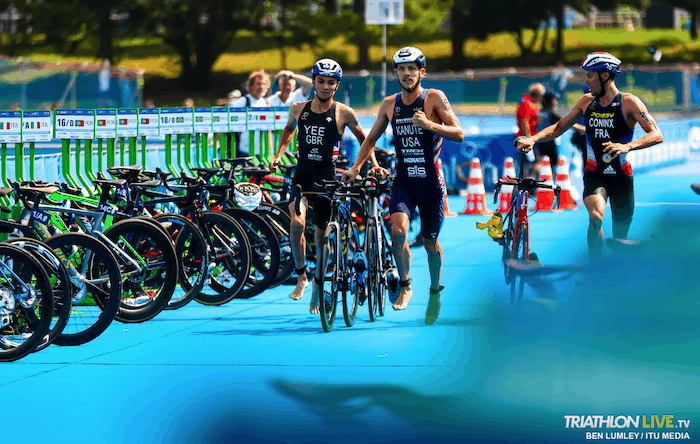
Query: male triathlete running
(322, 122)
(610, 117)
(420, 119)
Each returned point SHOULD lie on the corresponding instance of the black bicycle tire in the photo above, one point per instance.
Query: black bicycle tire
(108, 306)
(41, 324)
(168, 273)
(521, 244)
(191, 230)
(63, 300)
(240, 268)
(254, 224)
(373, 276)
(328, 319)
(351, 299)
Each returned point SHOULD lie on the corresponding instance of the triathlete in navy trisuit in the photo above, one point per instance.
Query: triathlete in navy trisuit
(420, 119)
(610, 117)
(321, 123)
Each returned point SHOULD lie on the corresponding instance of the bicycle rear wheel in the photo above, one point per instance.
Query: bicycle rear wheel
(26, 303)
(355, 275)
(330, 265)
(520, 252)
(375, 269)
(191, 251)
(61, 286)
(97, 288)
(145, 291)
(229, 253)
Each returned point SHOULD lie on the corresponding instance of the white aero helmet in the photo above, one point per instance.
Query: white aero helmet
(247, 195)
(327, 67)
(601, 61)
(409, 54)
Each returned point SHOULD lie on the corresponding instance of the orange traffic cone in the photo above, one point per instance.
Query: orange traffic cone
(566, 200)
(545, 197)
(476, 193)
(506, 190)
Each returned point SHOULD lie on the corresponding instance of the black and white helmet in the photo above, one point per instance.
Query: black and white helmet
(601, 61)
(409, 54)
(327, 67)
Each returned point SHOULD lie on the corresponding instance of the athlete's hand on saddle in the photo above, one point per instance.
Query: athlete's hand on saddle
(524, 144)
(615, 149)
(420, 120)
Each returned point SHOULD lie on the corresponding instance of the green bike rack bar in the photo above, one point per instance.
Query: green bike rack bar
(188, 152)
(87, 187)
(132, 151)
(4, 200)
(32, 160)
(169, 155)
(65, 160)
(89, 170)
(122, 153)
(143, 152)
(202, 141)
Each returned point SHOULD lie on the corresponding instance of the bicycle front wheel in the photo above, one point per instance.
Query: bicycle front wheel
(520, 252)
(26, 303)
(328, 267)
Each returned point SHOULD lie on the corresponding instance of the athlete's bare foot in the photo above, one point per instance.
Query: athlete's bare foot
(433, 311)
(405, 296)
(313, 306)
(449, 213)
(302, 283)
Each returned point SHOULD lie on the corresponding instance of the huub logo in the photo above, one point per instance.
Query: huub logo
(396, 111)
(304, 116)
(404, 53)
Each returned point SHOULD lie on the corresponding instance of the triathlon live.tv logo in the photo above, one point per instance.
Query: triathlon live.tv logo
(642, 427)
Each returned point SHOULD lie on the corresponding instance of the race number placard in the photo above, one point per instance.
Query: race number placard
(105, 124)
(36, 126)
(202, 120)
(384, 12)
(236, 120)
(76, 124)
(127, 122)
(261, 119)
(281, 117)
(176, 121)
(10, 126)
(219, 120)
(148, 122)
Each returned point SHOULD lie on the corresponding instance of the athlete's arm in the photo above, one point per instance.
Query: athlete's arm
(635, 109)
(555, 130)
(349, 119)
(437, 104)
(375, 133)
(287, 133)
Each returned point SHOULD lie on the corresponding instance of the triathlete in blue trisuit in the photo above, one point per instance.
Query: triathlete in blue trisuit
(610, 117)
(322, 122)
(420, 119)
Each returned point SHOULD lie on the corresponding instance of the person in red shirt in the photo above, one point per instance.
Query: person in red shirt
(527, 111)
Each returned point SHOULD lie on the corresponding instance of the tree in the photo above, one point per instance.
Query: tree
(201, 30)
(693, 7)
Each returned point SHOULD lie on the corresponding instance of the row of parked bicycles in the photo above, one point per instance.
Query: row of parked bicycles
(76, 259)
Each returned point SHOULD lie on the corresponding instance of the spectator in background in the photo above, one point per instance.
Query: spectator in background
(104, 86)
(188, 103)
(258, 85)
(559, 79)
(149, 103)
(14, 106)
(288, 92)
(526, 115)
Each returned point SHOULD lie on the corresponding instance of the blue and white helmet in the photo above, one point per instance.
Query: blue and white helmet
(409, 54)
(601, 61)
(327, 67)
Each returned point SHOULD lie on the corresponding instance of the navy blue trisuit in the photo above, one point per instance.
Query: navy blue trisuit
(419, 181)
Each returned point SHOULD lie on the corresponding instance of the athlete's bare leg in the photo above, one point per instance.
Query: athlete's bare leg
(298, 242)
(399, 231)
(432, 246)
(315, 290)
(595, 204)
